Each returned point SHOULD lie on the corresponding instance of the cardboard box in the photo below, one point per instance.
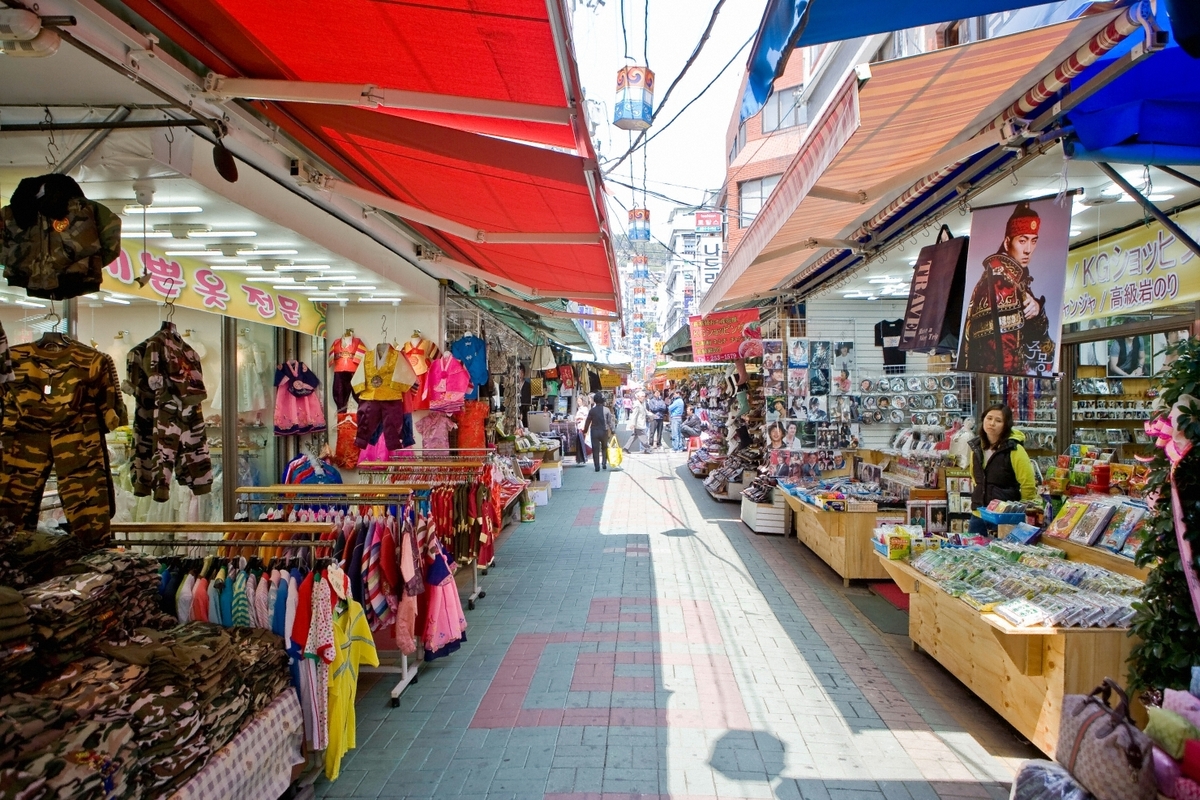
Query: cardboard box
(539, 492)
(539, 421)
(552, 474)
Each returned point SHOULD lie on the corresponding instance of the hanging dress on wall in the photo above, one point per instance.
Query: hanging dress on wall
(297, 404)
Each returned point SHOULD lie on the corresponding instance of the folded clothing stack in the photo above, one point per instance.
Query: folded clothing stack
(29, 557)
(16, 636)
(263, 663)
(71, 614)
(169, 724)
(136, 583)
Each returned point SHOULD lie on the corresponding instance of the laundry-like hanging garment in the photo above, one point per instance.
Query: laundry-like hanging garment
(61, 402)
(353, 646)
(344, 357)
(445, 625)
(6, 370)
(446, 384)
(471, 425)
(297, 404)
(472, 352)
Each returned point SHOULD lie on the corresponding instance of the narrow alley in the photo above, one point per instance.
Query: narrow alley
(637, 640)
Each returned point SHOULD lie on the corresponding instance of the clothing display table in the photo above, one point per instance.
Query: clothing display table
(258, 763)
(842, 539)
(1022, 673)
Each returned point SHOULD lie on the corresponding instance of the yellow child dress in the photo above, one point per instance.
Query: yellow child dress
(353, 646)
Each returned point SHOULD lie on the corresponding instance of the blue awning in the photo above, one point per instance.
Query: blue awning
(788, 24)
(1149, 115)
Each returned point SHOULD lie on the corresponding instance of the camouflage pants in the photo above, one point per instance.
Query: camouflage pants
(141, 465)
(79, 460)
(180, 448)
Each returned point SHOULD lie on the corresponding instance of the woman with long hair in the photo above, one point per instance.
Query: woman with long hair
(1000, 467)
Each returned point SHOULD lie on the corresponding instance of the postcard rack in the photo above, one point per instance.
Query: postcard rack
(421, 474)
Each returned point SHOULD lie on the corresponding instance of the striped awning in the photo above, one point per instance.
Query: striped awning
(873, 141)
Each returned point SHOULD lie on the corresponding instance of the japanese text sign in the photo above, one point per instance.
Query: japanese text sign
(720, 336)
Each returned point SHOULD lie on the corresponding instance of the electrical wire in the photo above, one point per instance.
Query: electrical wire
(712, 20)
(656, 195)
(646, 35)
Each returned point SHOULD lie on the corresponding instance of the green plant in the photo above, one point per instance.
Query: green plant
(1165, 624)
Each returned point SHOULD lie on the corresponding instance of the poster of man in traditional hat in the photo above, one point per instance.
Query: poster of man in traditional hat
(1012, 318)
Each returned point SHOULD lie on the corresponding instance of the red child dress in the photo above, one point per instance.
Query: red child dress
(297, 405)
(471, 432)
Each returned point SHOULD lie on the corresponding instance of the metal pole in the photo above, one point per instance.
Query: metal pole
(229, 417)
(90, 143)
(1150, 208)
(45, 127)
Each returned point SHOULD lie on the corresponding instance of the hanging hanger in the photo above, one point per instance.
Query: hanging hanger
(168, 324)
(53, 338)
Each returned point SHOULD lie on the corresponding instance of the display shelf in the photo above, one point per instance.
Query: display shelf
(842, 539)
(1097, 556)
(1022, 673)
(727, 497)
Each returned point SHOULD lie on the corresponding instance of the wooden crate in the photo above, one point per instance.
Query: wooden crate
(842, 539)
(1022, 673)
(774, 518)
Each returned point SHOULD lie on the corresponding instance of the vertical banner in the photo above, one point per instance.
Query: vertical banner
(936, 296)
(1016, 270)
(726, 335)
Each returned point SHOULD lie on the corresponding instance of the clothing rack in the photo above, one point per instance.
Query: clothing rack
(438, 471)
(346, 494)
(218, 527)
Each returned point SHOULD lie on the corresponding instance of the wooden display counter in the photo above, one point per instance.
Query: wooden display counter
(1022, 673)
(842, 539)
(1096, 557)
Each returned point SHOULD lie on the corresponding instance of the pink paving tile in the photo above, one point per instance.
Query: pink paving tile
(587, 516)
(632, 685)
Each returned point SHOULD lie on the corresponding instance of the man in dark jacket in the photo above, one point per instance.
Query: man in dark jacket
(657, 413)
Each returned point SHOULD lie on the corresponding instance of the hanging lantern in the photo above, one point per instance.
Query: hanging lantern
(639, 224)
(635, 99)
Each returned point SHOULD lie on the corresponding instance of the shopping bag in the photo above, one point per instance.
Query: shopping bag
(615, 454)
(935, 303)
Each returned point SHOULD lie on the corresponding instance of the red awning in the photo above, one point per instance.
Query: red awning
(452, 165)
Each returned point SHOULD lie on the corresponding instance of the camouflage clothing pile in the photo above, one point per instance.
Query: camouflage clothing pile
(136, 579)
(29, 557)
(71, 614)
(263, 664)
(16, 633)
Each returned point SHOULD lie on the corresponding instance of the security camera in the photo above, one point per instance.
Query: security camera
(144, 192)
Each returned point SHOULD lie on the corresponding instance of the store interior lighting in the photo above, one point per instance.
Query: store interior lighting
(303, 268)
(117, 300)
(392, 300)
(222, 234)
(133, 210)
(335, 277)
(282, 251)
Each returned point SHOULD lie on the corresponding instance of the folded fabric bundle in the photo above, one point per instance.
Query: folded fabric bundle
(70, 614)
(30, 557)
(94, 688)
(135, 580)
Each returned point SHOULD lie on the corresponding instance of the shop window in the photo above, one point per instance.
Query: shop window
(752, 196)
(783, 109)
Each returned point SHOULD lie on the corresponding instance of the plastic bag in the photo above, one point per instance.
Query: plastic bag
(1045, 780)
(615, 453)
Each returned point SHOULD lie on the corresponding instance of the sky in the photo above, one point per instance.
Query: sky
(690, 155)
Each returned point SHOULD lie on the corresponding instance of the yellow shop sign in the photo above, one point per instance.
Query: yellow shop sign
(194, 284)
(1139, 270)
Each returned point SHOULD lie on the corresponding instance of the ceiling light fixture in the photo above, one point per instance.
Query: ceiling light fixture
(1154, 198)
(336, 277)
(271, 252)
(358, 288)
(306, 268)
(119, 301)
(393, 300)
(29, 304)
(267, 279)
(222, 234)
(134, 210)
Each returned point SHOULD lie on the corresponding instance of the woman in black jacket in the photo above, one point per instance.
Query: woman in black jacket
(1000, 467)
(597, 425)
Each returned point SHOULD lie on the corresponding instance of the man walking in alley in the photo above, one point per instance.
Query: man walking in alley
(676, 412)
(637, 424)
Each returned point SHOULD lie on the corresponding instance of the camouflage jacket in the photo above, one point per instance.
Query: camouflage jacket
(55, 390)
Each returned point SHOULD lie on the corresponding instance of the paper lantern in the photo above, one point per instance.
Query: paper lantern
(639, 224)
(635, 99)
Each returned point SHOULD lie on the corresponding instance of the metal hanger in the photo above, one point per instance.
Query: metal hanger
(53, 339)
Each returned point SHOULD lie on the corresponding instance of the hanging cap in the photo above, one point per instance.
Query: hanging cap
(1024, 221)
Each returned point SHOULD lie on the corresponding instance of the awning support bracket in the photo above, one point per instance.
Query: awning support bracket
(218, 87)
(1151, 209)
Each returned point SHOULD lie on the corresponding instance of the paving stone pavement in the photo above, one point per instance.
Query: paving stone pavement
(638, 640)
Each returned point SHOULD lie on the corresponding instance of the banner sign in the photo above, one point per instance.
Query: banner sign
(1016, 265)
(1139, 270)
(708, 222)
(935, 297)
(708, 259)
(194, 284)
(726, 335)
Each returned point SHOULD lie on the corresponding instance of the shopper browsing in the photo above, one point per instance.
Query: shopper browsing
(1000, 467)
(596, 424)
(676, 412)
(581, 412)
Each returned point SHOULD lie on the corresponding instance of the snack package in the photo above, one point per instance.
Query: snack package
(1064, 522)
(1092, 523)
(1126, 519)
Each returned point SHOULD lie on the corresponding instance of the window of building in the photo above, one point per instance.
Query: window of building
(752, 195)
(689, 243)
(783, 109)
(739, 142)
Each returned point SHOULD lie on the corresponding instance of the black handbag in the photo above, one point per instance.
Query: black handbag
(933, 316)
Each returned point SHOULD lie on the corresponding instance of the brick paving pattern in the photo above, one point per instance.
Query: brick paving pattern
(638, 641)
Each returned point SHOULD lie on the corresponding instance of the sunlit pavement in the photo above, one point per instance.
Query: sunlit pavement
(638, 640)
